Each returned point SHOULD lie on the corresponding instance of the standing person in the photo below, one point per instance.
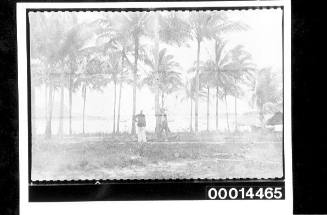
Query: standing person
(141, 123)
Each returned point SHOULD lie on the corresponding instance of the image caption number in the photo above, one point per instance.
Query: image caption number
(231, 193)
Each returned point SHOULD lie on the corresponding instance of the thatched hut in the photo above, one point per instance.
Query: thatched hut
(276, 121)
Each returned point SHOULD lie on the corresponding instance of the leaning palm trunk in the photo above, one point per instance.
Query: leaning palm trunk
(120, 88)
(136, 40)
(48, 129)
(119, 101)
(227, 113)
(84, 101)
(217, 98)
(61, 114)
(208, 103)
(70, 103)
(197, 86)
(114, 121)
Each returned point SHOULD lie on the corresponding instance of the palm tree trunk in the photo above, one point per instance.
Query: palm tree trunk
(157, 90)
(191, 117)
(227, 113)
(120, 87)
(84, 101)
(119, 101)
(48, 129)
(197, 86)
(162, 100)
(61, 114)
(136, 48)
(217, 86)
(157, 112)
(235, 113)
(46, 92)
(114, 121)
(70, 103)
(217, 98)
(208, 103)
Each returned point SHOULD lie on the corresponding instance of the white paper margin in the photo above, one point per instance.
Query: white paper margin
(152, 207)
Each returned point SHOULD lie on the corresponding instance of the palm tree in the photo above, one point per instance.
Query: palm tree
(208, 25)
(115, 37)
(216, 66)
(47, 34)
(267, 91)
(240, 68)
(91, 76)
(123, 78)
(206, 75)
(113, 67)
(56, 39)
(163, 78)
(134, 24)
(167, 28)
(189, 94)
(37, 79)
(170, 29)
(75, 40)
(201, 25)
(213, 70)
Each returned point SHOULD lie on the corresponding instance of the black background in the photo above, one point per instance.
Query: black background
(309, 89)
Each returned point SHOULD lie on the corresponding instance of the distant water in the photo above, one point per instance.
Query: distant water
(105, 125)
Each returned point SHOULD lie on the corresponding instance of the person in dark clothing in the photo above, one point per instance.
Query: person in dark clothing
(141, 124)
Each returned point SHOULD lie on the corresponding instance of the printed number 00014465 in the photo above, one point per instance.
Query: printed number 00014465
(245, 193)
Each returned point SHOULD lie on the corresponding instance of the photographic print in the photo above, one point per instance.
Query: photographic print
(163, 94)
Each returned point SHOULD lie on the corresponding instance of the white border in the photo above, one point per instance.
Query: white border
(157, 207)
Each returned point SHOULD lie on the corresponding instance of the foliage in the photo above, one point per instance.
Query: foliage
(167, 79)
(267, 89)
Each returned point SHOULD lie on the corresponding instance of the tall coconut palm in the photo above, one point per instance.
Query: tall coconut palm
(206, 82)
(75, 40)
(47, 35)
(205, 25)
(56, 37)
(170, 29)
(113, 67)
(241, 69)
(201, 25)
(114, 37)
(163, 78)
(214, 71)
(189, 94)
(134, 23)
(90, 75)
(123, 78)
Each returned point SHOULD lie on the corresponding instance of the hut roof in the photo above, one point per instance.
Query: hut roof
(276, 119)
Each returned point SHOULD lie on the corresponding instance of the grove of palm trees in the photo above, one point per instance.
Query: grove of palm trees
(209, 84)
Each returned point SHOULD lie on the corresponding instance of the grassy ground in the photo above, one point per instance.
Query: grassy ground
(208, 155)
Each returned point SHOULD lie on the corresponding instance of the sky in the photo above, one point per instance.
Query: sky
(263, 40)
